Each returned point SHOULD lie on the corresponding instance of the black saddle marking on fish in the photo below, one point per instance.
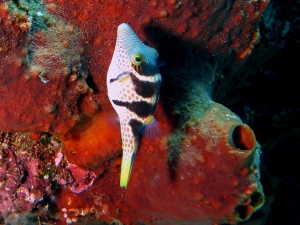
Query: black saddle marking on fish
(146, 69)
(145, 89)
(118, 77)
(142, 108)
(113, 80)
(135, 127)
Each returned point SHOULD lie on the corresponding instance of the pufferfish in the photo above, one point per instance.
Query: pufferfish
(133, 83)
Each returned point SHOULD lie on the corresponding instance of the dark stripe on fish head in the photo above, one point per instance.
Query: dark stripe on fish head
(146, 69)
(144, 60)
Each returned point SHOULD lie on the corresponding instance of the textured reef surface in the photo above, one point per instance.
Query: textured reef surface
(60, 151)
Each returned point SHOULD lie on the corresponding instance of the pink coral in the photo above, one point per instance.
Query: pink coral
(21, 188)
(83, 178)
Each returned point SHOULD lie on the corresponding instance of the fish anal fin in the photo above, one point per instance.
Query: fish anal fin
(112, 119)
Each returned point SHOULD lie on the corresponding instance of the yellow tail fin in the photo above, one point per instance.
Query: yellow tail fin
(127, 160)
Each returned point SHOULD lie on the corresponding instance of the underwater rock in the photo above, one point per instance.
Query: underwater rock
(41, 55)
(83, 178)
(41, 73)
(100, 141)
(212, 177)
(205, 166)
(31, 175)
(21, 186)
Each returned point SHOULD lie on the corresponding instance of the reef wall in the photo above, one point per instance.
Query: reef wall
(54, 57)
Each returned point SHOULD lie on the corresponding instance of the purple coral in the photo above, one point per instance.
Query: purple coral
(83, 178)
(20, 187)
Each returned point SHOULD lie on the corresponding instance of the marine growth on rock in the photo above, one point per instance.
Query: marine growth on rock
(60, 152)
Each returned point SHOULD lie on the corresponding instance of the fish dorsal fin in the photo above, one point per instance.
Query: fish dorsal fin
(161, 63)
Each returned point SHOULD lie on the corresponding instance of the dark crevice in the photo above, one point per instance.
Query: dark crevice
(257, 199)
(24, 178)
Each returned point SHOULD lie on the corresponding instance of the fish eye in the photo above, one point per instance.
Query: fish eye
(137, 59)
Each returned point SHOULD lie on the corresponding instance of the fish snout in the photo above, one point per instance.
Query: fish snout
(124, 28)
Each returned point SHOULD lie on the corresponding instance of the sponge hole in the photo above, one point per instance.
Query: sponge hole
(257, 200)
(250, 205)
(245, 211)
(243, 137)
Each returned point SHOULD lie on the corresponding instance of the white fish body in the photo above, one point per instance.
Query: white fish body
(133, 83)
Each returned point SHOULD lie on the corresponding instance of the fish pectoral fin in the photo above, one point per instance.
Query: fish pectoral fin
(127, 161)
(151, 130)
(161, 63)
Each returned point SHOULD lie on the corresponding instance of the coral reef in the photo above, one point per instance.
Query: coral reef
(54, 57)
(31, 172)
(41, 70)
(252, 93)
(99, 143)
(38, 47)
(19, 181)
(156, 193)
(238, 194)
(22, 186)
